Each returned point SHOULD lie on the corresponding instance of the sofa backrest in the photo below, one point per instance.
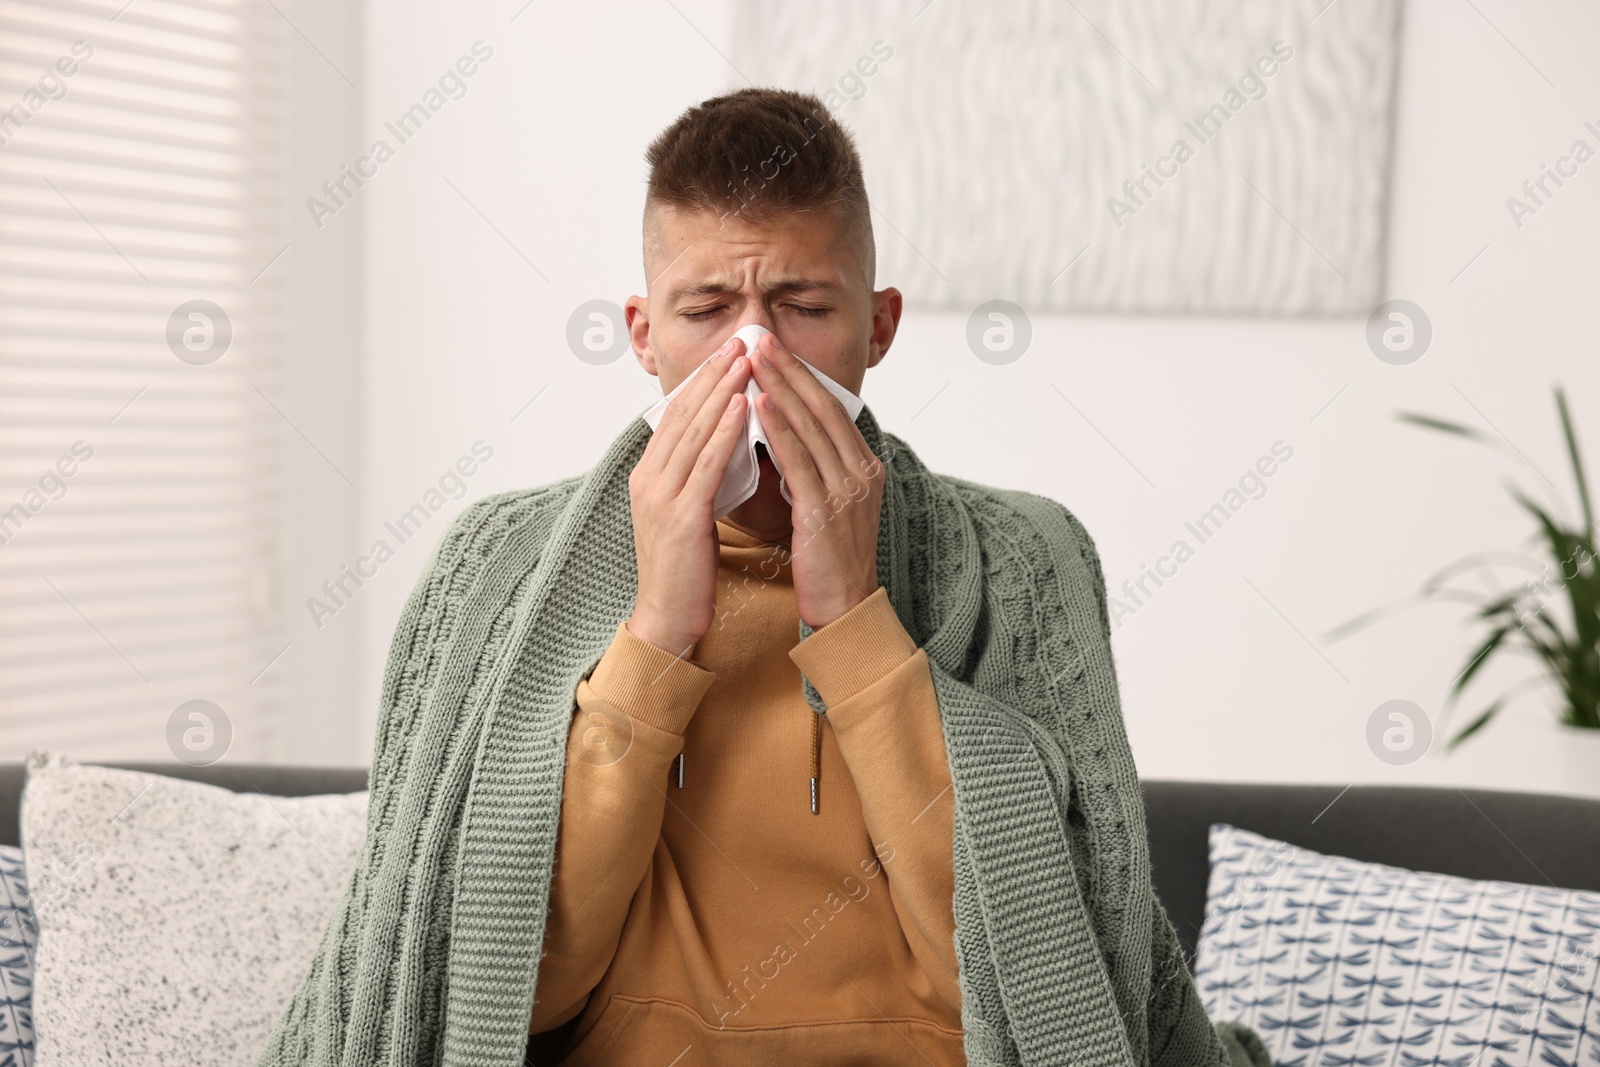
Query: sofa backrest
(1473, 833)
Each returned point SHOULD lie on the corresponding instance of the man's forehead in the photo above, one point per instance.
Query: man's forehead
(715, 281)
(696, 253)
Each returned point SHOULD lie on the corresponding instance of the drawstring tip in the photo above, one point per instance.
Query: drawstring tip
(680, 770)
(813, 796)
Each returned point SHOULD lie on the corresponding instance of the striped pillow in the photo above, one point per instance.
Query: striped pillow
(19, 934)
(1337, 962)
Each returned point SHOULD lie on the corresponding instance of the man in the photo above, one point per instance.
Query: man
(840, 778)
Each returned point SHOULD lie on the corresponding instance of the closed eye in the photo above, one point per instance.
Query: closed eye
(809, 312)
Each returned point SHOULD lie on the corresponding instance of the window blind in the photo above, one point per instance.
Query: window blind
(141, 421)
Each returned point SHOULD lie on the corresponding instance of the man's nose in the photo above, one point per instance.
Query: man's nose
(761, 319)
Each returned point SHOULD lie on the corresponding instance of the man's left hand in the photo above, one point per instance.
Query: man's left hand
(836, 482)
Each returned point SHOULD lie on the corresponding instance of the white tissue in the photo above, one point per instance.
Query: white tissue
(744, 471)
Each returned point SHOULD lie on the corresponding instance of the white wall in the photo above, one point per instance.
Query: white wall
(538, 170)
(322, 375)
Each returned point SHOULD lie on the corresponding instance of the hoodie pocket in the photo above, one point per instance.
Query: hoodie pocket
(612, 1024)
(655, 1031)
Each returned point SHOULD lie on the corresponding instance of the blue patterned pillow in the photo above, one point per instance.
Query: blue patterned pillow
(1335, 962)
(19, 933)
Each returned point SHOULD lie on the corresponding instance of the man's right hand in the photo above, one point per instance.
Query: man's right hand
(672, 491)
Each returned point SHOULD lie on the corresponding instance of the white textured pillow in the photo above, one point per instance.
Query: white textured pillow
(1336, 961)
(175, 919)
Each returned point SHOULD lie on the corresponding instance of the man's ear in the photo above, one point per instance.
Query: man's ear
(886, 305)
(637, 313)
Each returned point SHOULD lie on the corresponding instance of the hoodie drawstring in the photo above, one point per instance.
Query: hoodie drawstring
(816, 760)
(816, 757)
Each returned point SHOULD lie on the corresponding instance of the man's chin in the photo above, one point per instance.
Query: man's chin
(765, 514)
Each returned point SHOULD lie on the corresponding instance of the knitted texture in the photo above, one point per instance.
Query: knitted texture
(1066, 957)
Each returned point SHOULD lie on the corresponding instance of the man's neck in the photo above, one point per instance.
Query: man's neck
(765, 516)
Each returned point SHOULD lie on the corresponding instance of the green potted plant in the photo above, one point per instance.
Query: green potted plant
(1553, 618)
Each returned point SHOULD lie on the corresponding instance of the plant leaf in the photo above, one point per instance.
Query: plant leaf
(1474, 726)
(1481, 657)
(1445, 426)
(1432, 589)
(1577, 463)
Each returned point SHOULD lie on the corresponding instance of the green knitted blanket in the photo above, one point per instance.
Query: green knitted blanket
(1066, 957)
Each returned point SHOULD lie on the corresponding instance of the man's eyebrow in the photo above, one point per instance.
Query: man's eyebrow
(784, 285)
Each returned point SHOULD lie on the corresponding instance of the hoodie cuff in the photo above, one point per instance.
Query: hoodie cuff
(649, 683)
(854, 650)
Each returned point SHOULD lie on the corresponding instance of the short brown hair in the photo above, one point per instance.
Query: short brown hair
(757, 154)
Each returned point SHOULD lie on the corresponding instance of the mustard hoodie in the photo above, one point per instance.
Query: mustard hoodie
(783, 891)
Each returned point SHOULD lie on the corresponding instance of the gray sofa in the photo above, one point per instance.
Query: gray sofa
(1473, 833)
